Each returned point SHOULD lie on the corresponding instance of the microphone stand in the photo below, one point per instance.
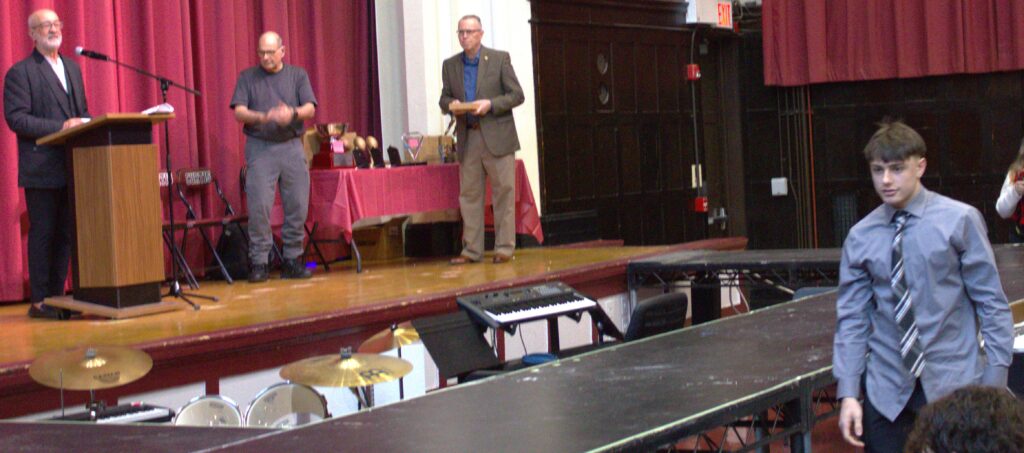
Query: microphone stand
(173, 286)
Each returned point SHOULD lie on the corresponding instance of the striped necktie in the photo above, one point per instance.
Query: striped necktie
(910, 345)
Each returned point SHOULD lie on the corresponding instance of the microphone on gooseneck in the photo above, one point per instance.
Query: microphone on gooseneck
(88, 53)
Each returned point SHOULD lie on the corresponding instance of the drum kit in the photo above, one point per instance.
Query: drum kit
(395, 337)
(282, 405)
(90, 368)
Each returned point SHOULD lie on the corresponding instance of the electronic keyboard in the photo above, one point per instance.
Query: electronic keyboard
(124, 413)
(507, 307)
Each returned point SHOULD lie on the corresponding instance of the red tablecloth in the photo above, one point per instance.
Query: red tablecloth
(339, 197)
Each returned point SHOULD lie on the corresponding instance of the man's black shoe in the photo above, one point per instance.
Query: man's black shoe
(295, 268)
(258, 273)
(43, 311)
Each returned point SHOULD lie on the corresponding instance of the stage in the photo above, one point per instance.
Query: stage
(261, 326)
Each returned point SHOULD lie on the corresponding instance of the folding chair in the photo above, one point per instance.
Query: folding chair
(198, 179)
(166, 178)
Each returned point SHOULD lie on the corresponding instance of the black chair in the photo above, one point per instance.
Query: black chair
(659, 314)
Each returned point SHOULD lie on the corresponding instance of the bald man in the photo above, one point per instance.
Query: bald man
(44, 94)
(271, 101)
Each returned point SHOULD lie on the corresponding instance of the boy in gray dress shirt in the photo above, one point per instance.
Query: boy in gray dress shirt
(917, 284)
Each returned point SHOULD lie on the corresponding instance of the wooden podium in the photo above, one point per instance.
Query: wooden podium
(117, 260)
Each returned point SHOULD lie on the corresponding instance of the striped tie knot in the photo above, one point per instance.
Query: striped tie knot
(900, 219)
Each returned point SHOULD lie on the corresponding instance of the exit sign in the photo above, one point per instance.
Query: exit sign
(716, 13)
(724, 14)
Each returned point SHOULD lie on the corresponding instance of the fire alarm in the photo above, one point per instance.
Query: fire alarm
(700, 204)
(693, 72)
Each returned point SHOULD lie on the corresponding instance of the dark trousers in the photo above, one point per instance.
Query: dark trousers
(1016, 234)
(884, 436)
(49, 241)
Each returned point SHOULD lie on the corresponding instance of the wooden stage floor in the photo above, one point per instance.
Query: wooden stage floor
(260, 326)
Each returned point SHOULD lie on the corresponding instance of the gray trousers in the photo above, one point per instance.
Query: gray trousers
(271, 164)
(476, 165)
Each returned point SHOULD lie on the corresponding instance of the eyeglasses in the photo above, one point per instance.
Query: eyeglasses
(267, 53)
(56, 25)
(466, 32)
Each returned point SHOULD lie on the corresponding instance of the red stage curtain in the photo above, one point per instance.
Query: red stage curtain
(198, 43)
(844, 40)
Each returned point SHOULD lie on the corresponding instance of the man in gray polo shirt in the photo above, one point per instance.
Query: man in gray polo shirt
(272, 100)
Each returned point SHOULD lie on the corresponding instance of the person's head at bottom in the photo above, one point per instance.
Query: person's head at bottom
(972, 419)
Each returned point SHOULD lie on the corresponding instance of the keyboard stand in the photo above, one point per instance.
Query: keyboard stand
(602, 324)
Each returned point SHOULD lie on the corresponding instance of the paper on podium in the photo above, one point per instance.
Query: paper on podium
(161, 108)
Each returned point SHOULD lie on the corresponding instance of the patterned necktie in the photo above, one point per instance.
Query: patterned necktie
(910, 345)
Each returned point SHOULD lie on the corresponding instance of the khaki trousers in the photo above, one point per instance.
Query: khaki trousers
(476, 164)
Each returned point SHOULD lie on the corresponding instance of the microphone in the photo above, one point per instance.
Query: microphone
(88, 53)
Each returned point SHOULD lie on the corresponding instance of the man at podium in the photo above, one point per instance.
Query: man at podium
(44, 94)
(272, 100)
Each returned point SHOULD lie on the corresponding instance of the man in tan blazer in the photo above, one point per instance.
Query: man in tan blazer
(480, 88)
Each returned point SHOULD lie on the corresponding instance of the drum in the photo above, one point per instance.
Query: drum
(285, 405)
(209, 410)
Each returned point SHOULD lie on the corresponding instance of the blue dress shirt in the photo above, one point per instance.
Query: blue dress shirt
(469, 71)
(953, 280)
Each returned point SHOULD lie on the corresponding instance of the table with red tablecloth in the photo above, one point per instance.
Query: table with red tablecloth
(339, 197)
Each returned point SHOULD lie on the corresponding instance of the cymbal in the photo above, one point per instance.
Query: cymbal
(403, 334)
(90, 367)
(346, 370)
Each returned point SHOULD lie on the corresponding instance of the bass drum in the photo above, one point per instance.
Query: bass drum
(286, 405)
(209, 410)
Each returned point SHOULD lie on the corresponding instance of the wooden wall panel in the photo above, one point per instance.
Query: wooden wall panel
(670, 78)
(675, 174)
(579, 70)
(555, 164)
(552, 74)
(626, 115)
(606, 157)
(624, 77)
(630, 155)
(647, 78)
(581, 161)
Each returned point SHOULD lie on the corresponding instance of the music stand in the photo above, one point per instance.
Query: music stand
(456, 344)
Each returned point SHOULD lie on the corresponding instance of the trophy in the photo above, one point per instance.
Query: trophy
(412, 142)
(331, 140)
(376, 154)
(362, 156)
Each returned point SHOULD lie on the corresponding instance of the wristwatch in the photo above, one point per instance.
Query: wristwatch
(295, 114)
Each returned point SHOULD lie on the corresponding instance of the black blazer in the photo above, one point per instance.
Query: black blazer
(35, 105)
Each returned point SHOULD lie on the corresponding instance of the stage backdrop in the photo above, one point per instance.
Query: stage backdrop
(200, 43)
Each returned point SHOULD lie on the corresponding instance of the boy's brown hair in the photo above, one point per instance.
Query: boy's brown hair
(894, 141)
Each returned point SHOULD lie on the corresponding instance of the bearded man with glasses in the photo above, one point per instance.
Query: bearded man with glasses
(44, 94)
